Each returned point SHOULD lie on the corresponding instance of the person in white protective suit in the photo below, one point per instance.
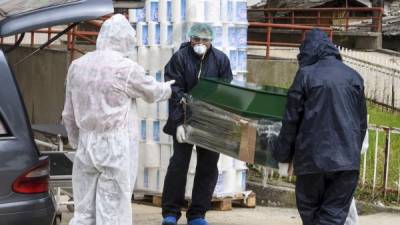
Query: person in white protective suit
(100, 117)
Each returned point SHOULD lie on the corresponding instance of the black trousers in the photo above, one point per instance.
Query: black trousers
(205, 179)
(325, 198)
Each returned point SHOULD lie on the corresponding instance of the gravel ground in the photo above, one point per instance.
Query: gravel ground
(148, 215)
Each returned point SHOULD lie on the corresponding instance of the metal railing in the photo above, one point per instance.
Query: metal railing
(381, 76)
(269, 28)
(340, 18)
(379, 169)
(71, 36)
(380, 166)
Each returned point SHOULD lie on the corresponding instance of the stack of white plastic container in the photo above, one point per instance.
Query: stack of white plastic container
(161, 28)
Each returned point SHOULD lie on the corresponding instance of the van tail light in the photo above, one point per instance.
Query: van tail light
(3, 128)
(35, 180)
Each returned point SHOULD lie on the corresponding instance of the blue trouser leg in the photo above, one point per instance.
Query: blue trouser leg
(175, 181)
(204, 183)
(325, 198)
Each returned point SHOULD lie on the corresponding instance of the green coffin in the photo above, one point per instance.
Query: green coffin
(265, 102)
(218, 110)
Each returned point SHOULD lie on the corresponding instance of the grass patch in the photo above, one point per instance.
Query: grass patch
(382, 117)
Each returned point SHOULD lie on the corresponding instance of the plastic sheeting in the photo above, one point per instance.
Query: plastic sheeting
(219, 130)
(352, 217)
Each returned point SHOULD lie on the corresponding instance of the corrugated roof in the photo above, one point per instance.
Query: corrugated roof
(296, 3)
(307, 3)
(391, 25)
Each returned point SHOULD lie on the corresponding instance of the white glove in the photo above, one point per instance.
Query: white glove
(365, 143)
(170, 82)
(180, 134)
(283, 169)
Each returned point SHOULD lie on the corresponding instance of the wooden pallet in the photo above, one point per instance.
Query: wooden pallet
(218, 203)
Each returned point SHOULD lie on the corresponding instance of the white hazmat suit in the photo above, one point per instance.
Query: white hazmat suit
(100, 117)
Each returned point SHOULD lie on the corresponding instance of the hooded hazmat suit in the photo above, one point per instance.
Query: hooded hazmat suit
(100, 117)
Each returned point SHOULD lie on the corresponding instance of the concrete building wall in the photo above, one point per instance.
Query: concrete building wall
(41, 79)
(353, 40)
(278, 73)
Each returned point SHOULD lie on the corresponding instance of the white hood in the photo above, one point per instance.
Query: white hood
(117, 34)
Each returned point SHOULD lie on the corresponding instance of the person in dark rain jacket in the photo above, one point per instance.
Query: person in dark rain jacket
(322, 131)
(195, 59)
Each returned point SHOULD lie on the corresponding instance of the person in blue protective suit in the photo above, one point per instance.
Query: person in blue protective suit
(197, 58)
(322, 131)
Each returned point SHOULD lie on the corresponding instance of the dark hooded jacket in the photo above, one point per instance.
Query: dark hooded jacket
(326, 117)
(184, 67)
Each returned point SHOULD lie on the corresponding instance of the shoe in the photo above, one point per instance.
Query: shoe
(169, 220)
(198, 221)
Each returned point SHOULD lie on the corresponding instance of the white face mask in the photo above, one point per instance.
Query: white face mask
(200, 49)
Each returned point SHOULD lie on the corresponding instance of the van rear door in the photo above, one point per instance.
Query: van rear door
(19, 16)
(18, 152)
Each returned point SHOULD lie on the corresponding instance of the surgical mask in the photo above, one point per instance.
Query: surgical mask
(200, 49)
